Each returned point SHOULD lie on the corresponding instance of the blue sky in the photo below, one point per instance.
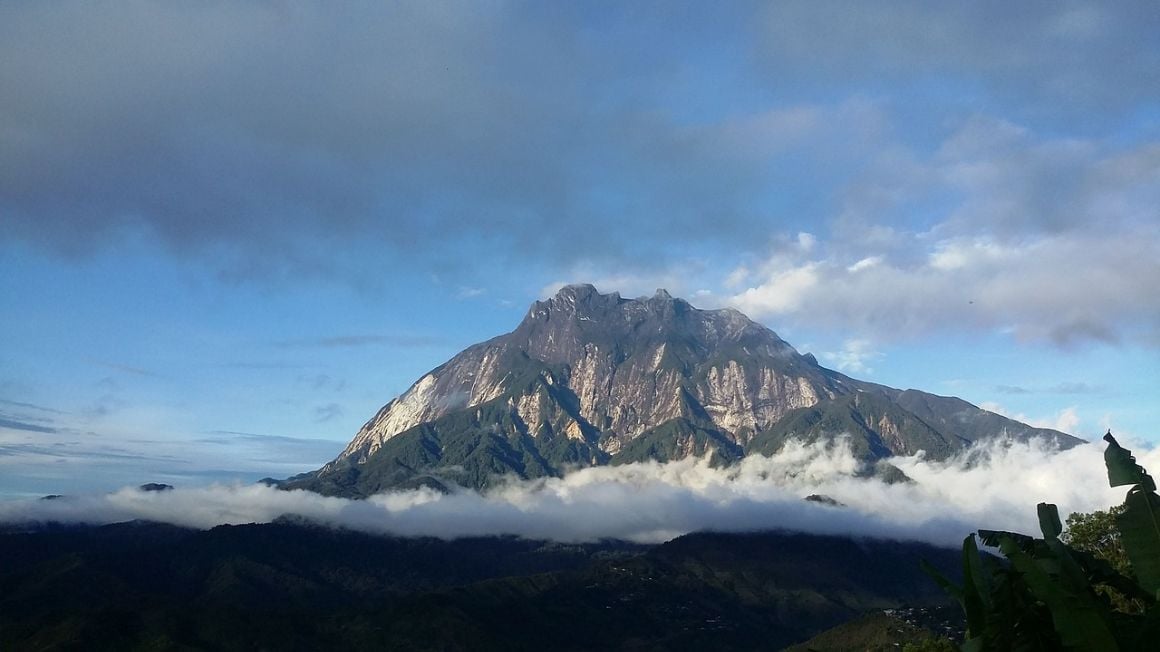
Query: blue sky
(231, 231)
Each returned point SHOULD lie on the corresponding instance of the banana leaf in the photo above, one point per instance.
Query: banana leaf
(1139, 523)
(1077, 617)
(1122, 466)
(1049, 521)
(1139, 527)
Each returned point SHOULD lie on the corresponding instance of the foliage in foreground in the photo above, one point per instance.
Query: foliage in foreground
(1049, 595)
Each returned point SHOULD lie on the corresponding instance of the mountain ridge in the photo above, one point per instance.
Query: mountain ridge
(587, 379)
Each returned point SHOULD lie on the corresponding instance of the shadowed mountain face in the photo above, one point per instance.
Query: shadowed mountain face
(589, 379)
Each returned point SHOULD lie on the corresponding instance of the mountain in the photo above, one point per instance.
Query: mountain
(286, 586)
(589, 379)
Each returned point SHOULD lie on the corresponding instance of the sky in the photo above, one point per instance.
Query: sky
(231, 231)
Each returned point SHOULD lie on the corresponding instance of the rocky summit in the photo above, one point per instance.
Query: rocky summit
(589, 379)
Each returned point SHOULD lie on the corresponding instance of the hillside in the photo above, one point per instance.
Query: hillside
(297, 587)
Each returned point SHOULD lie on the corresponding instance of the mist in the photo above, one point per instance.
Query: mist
(993, 486)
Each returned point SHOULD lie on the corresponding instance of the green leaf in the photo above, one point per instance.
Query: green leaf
(976, 598)
(991, 538)
(1122, 466)
(1077, 617)
(1049, 521)
(1139, 527)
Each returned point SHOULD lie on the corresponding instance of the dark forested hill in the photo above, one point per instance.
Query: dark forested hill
(294, 587)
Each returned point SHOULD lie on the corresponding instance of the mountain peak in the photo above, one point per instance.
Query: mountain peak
(589, 378)
(576, 292)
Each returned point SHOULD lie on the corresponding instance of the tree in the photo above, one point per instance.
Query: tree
(1096, 533)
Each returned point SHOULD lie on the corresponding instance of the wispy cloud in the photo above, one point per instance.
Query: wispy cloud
(16, 424)
(1076, 388)
(855, 357)
(357, 341)
(466, 292)
(73, 460)
(125, 368)
(328, 412)
(1012, 389)
(31, 406)
(1066, 420)
(1079, 388)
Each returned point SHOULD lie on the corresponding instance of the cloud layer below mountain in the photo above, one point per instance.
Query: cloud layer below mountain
(994, 487)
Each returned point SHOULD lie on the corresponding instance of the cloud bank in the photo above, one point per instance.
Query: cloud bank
(1048, 239)
(994, 486)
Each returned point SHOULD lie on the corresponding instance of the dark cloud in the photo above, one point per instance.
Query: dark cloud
(285, 140)
(1091, 61)
(268, 135)
(288, 140)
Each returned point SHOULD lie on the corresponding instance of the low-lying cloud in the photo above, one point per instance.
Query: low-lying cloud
(995, 486)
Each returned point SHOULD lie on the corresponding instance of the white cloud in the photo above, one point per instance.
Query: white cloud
(785, 291)
(1066, 420)
(997, 487)
(806, 241)
(865, 263)
(1049, 288)
(551, 289)
(951, 255)
(682, 282)
(466, 292)
(855, 356)
(737, 277)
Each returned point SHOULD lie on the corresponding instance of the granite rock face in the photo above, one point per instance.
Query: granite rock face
(589, 378)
